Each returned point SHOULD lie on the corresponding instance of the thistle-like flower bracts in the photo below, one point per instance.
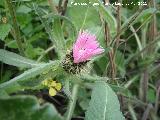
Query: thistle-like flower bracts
(71, 67)
(83, 50)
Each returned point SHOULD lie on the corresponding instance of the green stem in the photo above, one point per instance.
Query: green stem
(45, 52)
(15, 26)
(72, 102)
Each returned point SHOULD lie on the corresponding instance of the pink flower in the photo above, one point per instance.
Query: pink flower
(86, 47)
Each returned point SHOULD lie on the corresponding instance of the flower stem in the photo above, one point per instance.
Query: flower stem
(15, 26)
(72, 102)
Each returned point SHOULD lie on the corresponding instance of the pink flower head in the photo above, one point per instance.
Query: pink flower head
(86, 47)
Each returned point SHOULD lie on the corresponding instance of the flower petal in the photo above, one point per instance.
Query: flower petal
(52, 91)
(86, 47)
(58, 86)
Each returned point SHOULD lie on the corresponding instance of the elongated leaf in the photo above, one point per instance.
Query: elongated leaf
(104, 104)
(5, 28)
(14, 59)
(26, 108)
(57, 33)
(145, 14)
(29, 74)
(144, 17)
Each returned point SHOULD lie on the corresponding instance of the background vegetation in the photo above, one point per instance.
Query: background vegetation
(34, 38)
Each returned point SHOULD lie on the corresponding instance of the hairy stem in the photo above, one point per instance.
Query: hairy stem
(15, 26)
(45, 52)
(72, 102)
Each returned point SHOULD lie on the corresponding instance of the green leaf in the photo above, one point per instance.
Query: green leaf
(2, 2)
(24, 9)
(3, 94)
(104, 104)
(120, 63)
(5, 28)
(82, 16)
(87, 77)
(24, 20)
(29, 74)
(145, 15)
(57, 33)
(26, 108)
(151, 95)
(11, 43)
(14, 59)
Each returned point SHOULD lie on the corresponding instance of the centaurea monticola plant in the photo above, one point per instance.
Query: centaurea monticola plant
(85, 47)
